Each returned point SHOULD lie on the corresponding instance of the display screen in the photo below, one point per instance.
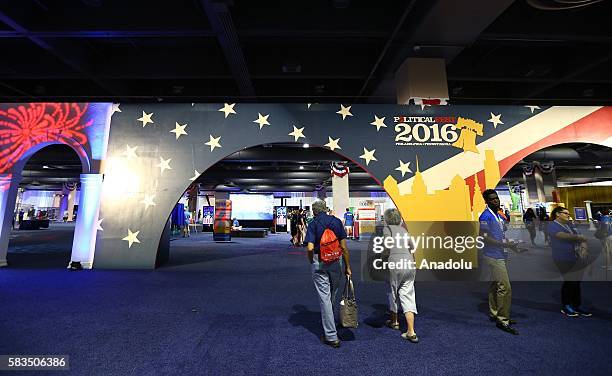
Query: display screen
(252, 206)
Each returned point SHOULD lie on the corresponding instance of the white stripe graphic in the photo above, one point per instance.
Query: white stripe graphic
(504, 144)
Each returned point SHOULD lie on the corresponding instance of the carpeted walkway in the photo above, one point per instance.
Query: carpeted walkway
(249, 307)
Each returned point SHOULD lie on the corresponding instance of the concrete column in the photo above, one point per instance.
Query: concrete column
(86, 228)
(9, 185)
(421, 78)
(71, 197)
(539, 183)
(340, 195)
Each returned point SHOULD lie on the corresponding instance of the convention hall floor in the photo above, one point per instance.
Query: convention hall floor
(249, 307)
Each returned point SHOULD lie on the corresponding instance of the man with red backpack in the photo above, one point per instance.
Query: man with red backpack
(327, 254)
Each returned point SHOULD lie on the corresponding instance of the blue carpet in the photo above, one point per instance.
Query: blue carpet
(249, 308)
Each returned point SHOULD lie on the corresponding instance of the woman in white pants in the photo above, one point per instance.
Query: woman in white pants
(401, 281)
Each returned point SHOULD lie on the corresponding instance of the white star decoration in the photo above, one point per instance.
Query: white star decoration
(368, 156)
(297, 133)
(164, 164)
(228, 108)
(196, 174)
(130, 152)
(495, 119)
(179, 130)
(404, 167)
(146, 119)
(333, 144)
(308, 105)
(131, 238)
(344, 111)
(533, 108)
(116, 108)
(213, 142)
(261, 120)
(148, 201)
(379, 123)
(99, 225)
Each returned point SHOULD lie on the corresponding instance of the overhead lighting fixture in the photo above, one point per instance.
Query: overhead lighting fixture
(301, 167)
(249, 167)
(45, 166)
(598, 166)
(306, 145)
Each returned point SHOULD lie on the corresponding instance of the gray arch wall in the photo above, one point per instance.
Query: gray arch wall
(129, 178)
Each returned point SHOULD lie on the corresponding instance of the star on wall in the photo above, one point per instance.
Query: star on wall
(533, 108)
(146, 119)
(308, 105)
(228, 108)
(368, 156)
(130, 152)
(164, 164)
(379, 123)
(196, 174)
(297, 133)
(99, 225)
(148, 201)
(179, 130)
(495, 119)
(131, 238)
(213, 142)
(344, 111)
(404, 167)
(261, 120)
(116, 108)
(333, 144)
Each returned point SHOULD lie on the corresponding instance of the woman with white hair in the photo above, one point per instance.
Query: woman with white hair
(401, 281)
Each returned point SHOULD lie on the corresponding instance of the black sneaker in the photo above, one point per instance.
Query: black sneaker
(568, 311)
(507, 328)
(582, 312)
(335, 344)
(494, 319)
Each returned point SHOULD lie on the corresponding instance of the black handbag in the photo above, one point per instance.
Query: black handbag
(348, 306)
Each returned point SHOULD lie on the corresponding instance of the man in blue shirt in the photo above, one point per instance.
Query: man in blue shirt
(326, 277)
(500, 292)
(348, 223)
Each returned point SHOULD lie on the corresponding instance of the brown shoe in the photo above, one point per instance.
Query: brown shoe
(335, 344)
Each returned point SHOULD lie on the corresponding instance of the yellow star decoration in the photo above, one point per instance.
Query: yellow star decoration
(344, 111)
(131, 238)
(333, 144)
(148, 201)
(213, 142)
(146, 119)
(368, 156)
(179, 130)
(164, 164)
(130, 152)
(261, 120)
(379, 123)
(297, 133)
(228, 108)
(196, 174)
(403, 167)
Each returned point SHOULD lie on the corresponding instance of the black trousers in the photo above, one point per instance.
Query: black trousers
(570, 290)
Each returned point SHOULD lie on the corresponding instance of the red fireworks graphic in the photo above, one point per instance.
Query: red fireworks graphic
(25, 126)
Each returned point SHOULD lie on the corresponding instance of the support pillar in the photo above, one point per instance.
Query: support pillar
(590, 215)
(422, 80)
(9, 185)
(86, 228)
(71, 196)
(340, 194)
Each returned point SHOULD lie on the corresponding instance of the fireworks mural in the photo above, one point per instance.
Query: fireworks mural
(25, 126)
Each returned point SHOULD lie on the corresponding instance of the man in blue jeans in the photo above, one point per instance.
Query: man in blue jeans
(326, 277)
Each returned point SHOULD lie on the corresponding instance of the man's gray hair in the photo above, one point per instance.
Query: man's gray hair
(392, 217)
(319, 206)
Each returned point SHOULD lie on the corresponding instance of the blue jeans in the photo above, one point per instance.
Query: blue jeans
(326, 278)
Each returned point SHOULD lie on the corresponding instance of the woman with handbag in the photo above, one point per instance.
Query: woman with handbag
(568, 250)
(401, 281)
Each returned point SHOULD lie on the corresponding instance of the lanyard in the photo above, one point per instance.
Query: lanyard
(565, 227)
(497, 219)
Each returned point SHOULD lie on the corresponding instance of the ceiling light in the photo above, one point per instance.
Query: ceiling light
(249, 168)
(45, 166)
(598, 166)
(306, 145)
(301, 167)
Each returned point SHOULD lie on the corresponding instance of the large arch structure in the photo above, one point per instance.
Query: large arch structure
(156, 150)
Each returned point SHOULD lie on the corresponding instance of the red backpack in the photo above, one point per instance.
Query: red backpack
(329, 247)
